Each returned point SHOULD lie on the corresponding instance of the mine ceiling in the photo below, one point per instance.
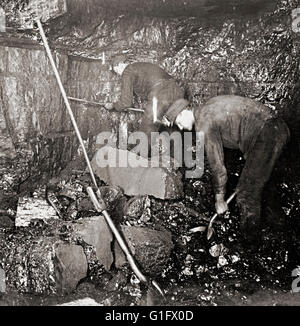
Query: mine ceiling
(174, 8)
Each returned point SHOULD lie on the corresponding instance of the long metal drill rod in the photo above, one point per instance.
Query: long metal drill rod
(101, 104)
(91, 193)
(85, 101)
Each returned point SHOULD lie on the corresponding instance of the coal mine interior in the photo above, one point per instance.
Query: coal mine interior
(55, 247)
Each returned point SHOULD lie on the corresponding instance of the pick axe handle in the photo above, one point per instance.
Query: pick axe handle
(64, 95)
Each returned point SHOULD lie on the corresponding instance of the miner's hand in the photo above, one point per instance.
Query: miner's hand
(221, 205)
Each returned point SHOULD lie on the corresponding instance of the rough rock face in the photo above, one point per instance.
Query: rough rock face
(95, 231)
(138, 208)
(33, 208)
(150, 248)
(26, 105)
(238, 54)
(28, 111)
(7, 148)
(138, 181)
(114, 199)
(251, 55)
(34, 125)
(44, 265)
(2, 281)
(54, 257)
(70, 266)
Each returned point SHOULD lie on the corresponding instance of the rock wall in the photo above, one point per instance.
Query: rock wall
(249, 55)
(92, 80)
(255, 56)
(26, 103)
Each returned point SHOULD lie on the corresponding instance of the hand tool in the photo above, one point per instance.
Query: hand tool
(209, 228)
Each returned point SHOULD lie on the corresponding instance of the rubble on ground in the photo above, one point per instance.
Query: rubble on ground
(221, 265)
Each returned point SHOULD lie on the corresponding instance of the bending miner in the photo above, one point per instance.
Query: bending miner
(244, 124)
(148, 81)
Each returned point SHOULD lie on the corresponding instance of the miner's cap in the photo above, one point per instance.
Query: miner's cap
(176, 108)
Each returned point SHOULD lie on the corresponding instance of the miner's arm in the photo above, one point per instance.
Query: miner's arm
(215, 156)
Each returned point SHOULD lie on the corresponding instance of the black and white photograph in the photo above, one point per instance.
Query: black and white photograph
(149, 156)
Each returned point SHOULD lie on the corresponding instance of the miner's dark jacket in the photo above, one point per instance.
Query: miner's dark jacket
(235, 122)
(147, 80)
